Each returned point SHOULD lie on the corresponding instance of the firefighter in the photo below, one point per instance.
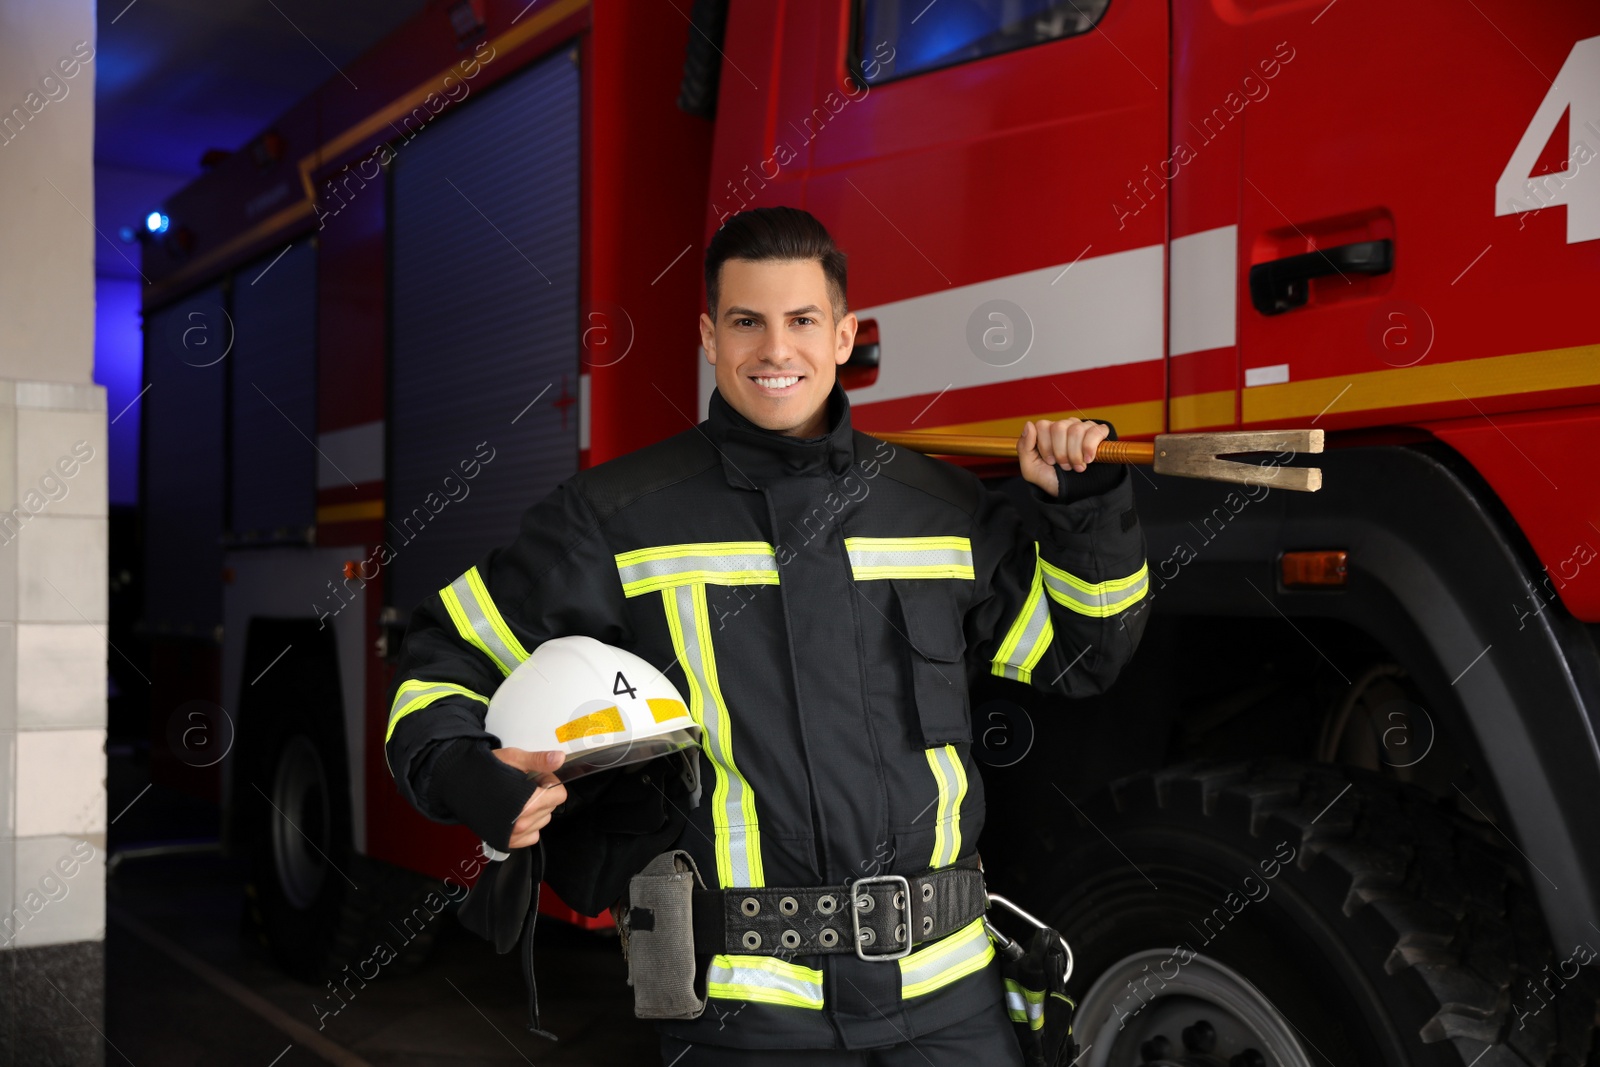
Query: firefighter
(822, 599)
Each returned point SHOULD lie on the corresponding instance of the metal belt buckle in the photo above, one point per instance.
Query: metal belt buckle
(904, 908)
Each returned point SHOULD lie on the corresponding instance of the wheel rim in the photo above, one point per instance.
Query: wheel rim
(1207, 1014)
(300, 831)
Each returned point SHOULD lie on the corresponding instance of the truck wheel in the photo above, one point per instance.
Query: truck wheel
(1287, 915)
(397, 909)
(316, 903)
(300, 846)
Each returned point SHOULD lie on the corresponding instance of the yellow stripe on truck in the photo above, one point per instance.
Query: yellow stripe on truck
(1426, 383)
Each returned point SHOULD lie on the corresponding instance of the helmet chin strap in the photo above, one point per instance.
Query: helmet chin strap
(691, 774)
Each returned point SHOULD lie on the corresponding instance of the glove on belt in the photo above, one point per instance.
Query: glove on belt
(877, 918)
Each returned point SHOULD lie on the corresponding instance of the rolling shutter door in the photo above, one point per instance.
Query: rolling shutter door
(484, 320)
(185, 359)
(274, 397)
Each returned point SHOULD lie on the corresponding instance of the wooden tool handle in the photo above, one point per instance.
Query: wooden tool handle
(955, 444)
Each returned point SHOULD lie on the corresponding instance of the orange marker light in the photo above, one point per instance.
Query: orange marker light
(1323, 567)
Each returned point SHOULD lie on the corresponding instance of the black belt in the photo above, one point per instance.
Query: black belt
(878, 918)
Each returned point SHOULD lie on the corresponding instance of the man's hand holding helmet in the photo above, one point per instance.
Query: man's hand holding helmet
(584, 707)
(549, 795)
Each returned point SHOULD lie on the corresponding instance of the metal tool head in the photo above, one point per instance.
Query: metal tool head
(1200, 455)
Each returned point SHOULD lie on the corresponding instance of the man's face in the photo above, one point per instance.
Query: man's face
(775, 344)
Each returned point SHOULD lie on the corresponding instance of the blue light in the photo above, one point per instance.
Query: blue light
(156, 222)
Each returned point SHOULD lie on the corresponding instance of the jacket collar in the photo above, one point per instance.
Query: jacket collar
(753, 457)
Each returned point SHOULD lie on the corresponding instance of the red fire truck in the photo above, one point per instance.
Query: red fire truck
(1339, 809)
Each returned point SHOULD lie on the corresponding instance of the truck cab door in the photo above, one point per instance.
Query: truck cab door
(1382, 267)
(987, 168)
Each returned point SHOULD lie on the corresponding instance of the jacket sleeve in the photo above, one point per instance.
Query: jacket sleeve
(1062, 582)
(556, 579)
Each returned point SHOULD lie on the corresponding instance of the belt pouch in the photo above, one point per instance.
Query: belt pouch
(658, 931)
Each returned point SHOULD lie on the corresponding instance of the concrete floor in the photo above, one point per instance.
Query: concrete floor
(186, 985)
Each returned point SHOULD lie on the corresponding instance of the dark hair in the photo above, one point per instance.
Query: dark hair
(768, 233)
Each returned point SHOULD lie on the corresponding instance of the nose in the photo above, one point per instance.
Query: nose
(777, 346)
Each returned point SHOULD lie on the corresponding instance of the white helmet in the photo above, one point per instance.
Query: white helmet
(603, 706)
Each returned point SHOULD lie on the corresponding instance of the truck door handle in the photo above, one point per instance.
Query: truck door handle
(861, 368)
(1281, 285)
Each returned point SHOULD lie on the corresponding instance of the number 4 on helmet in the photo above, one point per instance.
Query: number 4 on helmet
(605, 707)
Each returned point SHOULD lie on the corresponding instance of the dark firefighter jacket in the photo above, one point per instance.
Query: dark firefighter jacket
(822, 604)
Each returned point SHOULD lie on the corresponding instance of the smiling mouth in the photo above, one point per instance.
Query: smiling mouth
(776, 382)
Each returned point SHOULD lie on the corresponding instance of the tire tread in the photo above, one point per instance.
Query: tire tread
(1456, 904)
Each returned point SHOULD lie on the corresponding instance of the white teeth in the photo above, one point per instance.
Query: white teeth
(779, 383)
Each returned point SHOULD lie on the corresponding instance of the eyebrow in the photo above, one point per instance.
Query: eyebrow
(747, 313)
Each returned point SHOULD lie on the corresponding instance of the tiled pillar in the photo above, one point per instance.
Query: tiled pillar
(52, 544)
(53, 651)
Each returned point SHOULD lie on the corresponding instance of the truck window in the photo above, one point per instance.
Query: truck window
(923, 35)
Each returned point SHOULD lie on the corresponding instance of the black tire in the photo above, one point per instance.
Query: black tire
(395, 908)
(296, 803)
(315, 903)
(1385, 928)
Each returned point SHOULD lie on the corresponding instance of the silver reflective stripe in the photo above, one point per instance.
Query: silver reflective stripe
(1030, 634)
(862, 557)
(415, 694)
(646, 570)
(479, 622)
(909, 557)
(963, 952)
(763, 979)
(659, 568)
(952, 780)
(1025, 1005)
(1028, 1009)
(1098, 599)
(733, 812)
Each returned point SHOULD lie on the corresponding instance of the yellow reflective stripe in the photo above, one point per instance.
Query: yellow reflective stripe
(1026, 1005)
(952, 779)
(1095, 599)
(415, 694)
(909, 544)
(480, 623)
(749, 832)
(1072, 1007)
(646, 570)
(700, 577)
(962, 953)
(1025, 643)
(662, 709)
(909, 557)
(867, 574)
(604, 721)
(697, 548)
(733, 802)
(939, 825)
(765, 980)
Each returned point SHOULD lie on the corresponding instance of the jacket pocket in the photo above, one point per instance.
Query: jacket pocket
(931, 614)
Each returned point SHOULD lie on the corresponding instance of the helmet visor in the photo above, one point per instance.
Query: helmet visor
(624, 753)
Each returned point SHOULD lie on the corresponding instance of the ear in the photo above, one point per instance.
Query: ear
(846, 338)
(708, 338)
